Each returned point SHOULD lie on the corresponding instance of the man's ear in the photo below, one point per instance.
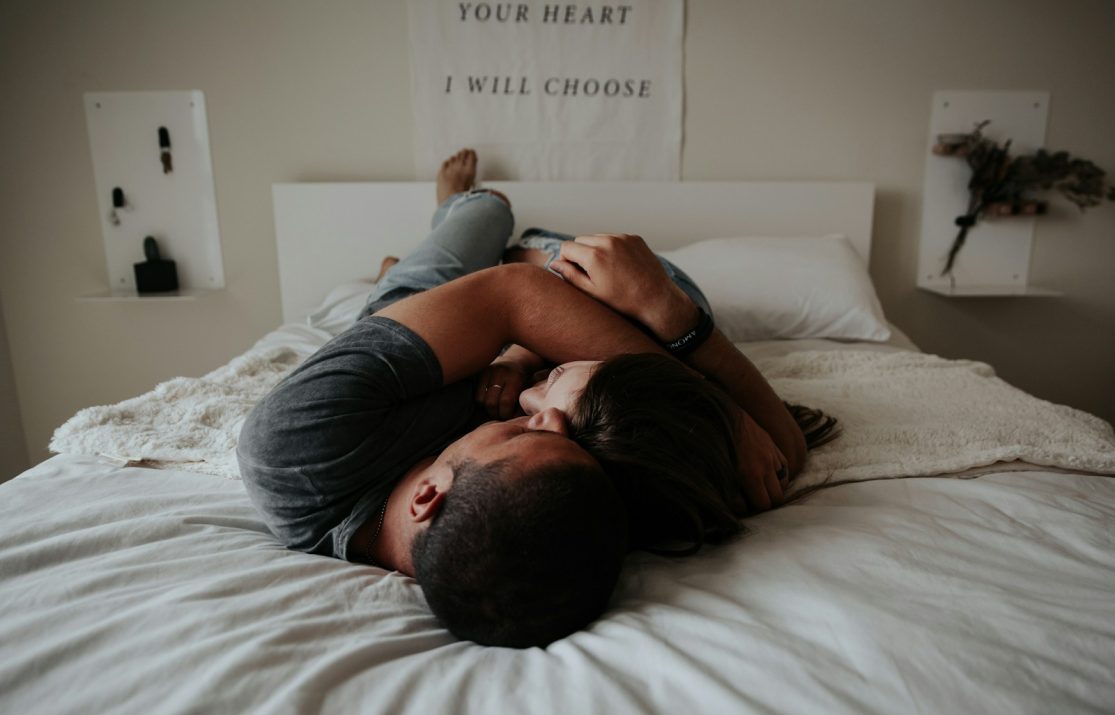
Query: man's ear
(425, 501)
(550, 419)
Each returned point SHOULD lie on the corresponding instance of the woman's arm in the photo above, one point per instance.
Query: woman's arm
(513, 371)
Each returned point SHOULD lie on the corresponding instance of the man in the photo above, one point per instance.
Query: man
(372, 450)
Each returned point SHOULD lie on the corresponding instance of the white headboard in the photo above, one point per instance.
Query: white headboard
(331, 233)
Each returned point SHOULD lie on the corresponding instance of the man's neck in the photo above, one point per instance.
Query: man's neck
(390, 548)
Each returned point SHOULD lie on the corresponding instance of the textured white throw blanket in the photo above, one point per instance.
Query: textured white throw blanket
(908, 414)
(903, 414)
(185, 423)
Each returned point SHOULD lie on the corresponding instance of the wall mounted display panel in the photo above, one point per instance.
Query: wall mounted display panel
(995, 259)
(151, 154)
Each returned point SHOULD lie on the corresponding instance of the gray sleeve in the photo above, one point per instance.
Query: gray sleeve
(320, 453)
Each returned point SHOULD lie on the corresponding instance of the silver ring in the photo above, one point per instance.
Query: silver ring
(491, 386)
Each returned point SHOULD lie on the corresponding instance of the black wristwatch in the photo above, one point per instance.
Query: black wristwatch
(694, 338)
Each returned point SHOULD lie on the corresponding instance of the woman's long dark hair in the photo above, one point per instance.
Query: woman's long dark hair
(666, 436)
(817, 427)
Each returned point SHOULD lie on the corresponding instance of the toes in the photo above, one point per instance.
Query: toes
(461, 157)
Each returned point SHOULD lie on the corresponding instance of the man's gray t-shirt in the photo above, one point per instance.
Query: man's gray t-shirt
(321, 452)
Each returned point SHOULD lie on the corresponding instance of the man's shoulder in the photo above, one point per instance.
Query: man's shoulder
(376, 386)
(379, 331)
(374, 351)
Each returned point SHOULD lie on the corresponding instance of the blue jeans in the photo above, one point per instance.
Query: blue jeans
(469, 232)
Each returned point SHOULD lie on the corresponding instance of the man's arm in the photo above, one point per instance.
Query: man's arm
(621, 271)
(466, 322)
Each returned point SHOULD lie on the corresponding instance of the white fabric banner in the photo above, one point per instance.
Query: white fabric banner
(549, 91)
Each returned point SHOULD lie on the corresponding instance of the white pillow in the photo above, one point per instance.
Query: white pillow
(338, 311)
(769, 288)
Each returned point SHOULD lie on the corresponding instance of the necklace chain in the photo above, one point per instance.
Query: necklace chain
(375, 534)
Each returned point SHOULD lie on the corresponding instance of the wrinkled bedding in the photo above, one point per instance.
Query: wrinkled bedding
(133, 590)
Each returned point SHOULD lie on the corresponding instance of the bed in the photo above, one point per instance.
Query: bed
(136, 577)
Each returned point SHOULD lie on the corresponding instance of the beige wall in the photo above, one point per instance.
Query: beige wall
(793, 89)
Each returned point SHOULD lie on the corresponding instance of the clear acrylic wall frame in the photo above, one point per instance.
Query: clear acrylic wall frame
(128, 137)
(995, 259)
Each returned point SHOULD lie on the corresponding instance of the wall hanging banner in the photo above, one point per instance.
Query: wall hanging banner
(549, 91)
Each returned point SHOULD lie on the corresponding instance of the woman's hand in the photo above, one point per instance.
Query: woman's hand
(763, 469)
(499, 385)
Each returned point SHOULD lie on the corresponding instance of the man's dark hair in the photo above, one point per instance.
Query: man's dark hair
(521, 560)
(666, 436)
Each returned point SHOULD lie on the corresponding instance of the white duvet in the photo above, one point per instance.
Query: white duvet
(139, 591)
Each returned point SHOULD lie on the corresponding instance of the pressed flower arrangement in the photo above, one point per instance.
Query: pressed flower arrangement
(1004, 185)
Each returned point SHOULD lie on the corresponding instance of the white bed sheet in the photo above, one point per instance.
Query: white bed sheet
(135, 590)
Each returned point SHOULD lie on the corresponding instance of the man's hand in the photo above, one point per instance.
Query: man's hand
(762, 468)
(620, 271)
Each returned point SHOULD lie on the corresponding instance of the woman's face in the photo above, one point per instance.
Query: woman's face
(558, 388)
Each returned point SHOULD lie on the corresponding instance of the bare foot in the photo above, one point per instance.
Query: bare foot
(457, 174)
(387, 264)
